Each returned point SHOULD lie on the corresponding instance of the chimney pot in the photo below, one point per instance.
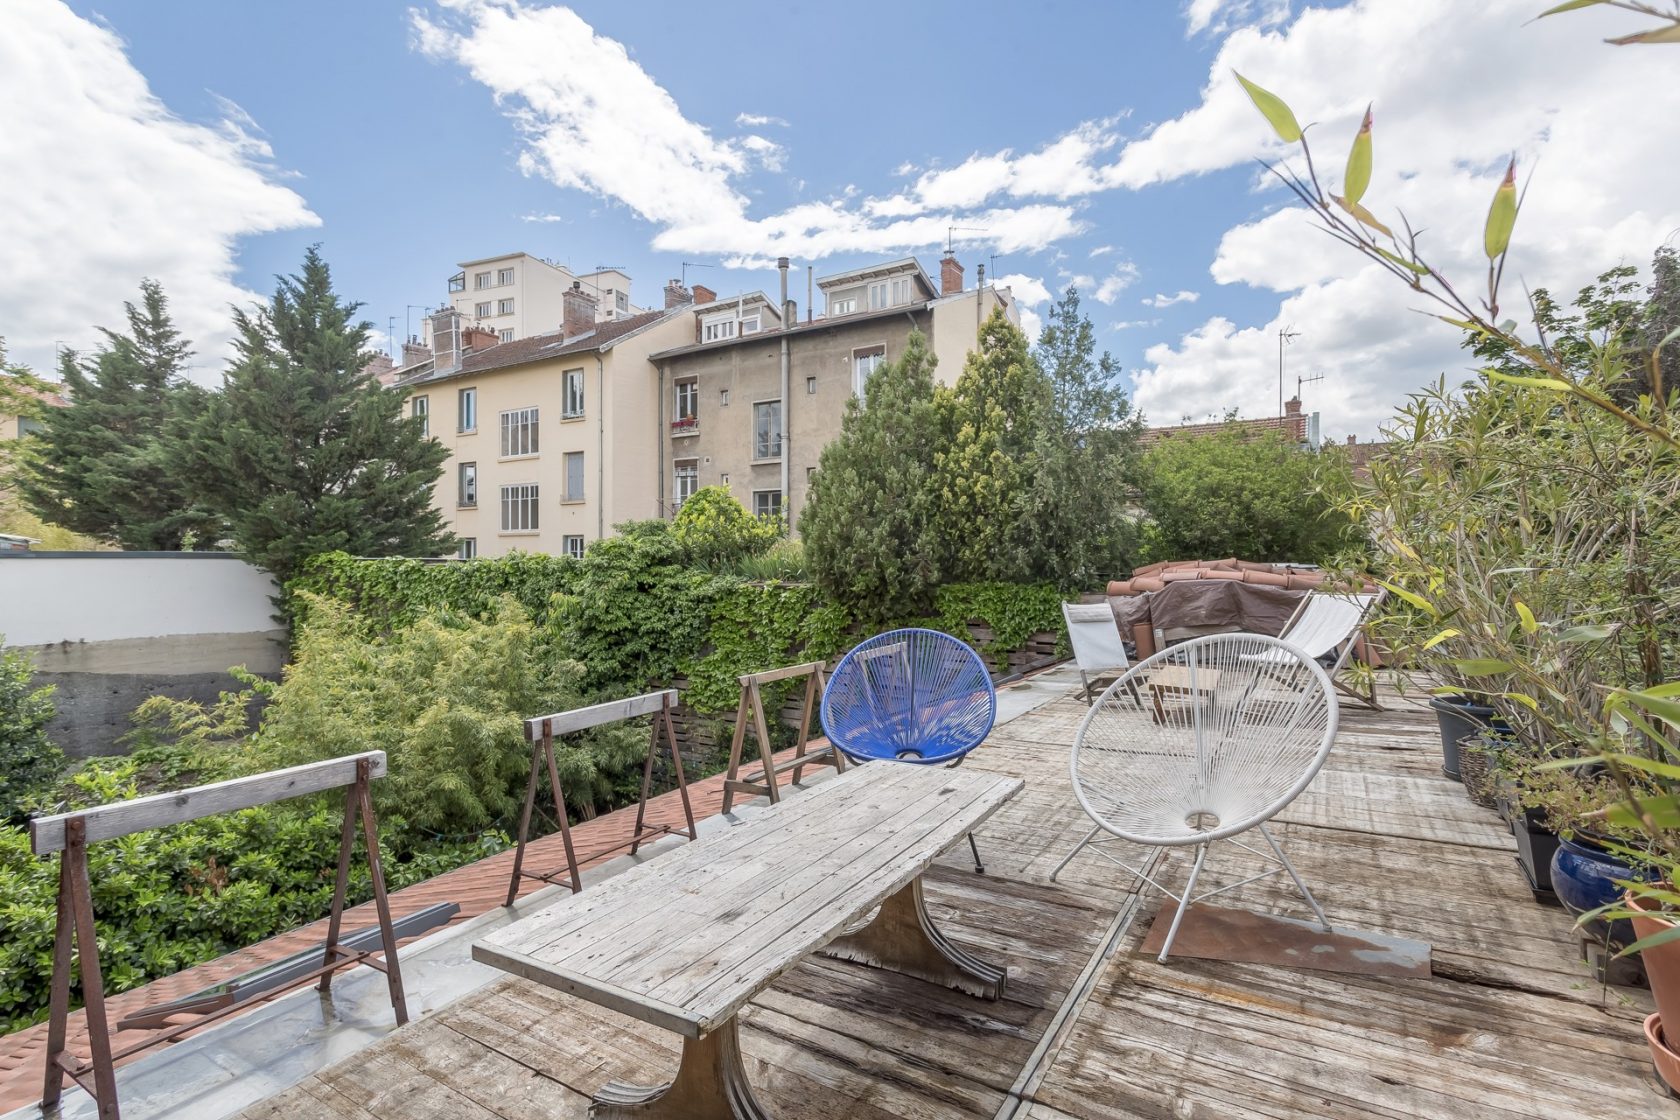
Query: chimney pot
(950, 275)
(676, 294)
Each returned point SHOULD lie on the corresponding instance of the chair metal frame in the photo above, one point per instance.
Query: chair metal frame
(1095, 656)
(1203, 841)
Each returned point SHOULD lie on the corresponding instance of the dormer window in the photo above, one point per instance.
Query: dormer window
(750, 325)
(718, 330)
(842, 306)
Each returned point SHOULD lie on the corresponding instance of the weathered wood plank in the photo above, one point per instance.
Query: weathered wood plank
(582, 719)
(106, 822)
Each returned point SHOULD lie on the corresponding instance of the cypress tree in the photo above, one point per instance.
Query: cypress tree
(303, 453)
(102, 466)
(868, 523)
(990, 458)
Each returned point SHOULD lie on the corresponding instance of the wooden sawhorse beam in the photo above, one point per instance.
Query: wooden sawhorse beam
(752, 706)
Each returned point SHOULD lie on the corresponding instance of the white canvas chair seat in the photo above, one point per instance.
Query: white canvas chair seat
(1236, 726)
(1327, 626)
(1098, 649)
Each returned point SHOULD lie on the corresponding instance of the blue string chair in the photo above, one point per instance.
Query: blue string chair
(910, 695)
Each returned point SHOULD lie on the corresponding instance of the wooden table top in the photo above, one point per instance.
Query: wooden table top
(685, 939)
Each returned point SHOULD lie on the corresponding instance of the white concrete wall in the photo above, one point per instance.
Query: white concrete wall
(113, 596)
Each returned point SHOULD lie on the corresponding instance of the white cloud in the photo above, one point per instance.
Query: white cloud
(1029, 291)
(1129, 324)
(1471, 84)
(110, 186)
(1183, 296)
(1124, 275)
(1032, 325)
(546, 67)
(1216, 17)
(758, 120)
(1101, 250)
(542, 218)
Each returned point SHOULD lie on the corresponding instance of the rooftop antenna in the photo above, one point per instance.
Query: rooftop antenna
(1285, 335)
(686, 265)
(952, 231)
(1300, 381)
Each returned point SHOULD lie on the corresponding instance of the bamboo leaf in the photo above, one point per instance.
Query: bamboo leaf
(1595, 633)
(1524, 699)
(1463, 324)
(1648, 765)
(1358, 174)
(1412, 266)
(1414, 599)
(1663, 812)
(1662, 707)
(1272, 107)
(1502, 215)
(1532, 382)
(1362, 215)
(1529, 624)
(1482, 666)
(1655, 35)
(1449, 632)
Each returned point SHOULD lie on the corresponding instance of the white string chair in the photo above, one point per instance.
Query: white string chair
(1233, 727)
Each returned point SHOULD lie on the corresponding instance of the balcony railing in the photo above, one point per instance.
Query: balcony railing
(685, 426)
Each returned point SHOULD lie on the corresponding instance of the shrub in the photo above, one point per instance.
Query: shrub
(29, 761)
(716, 530)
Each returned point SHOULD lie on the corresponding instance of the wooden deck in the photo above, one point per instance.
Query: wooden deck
(1510, 1025)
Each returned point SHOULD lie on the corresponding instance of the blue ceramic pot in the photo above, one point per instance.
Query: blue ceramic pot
(1584, 878)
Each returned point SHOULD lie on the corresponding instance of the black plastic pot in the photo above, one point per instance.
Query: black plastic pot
(1460, 718)
(1536, 844)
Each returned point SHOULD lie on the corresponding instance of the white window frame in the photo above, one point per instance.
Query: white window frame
(568, 495)
(466, 409)
(900, 291)
(521, 506)
(751, 324)
(878, 296)
(865, 361)
(466, 486)
(505, 334)
(481, 280)
(718, 330)
(572, 545)
(519, 431)
(417, 406)
(770, 448)
(482, 310)
(504, 277)
(685, 479)
(504, 307)
(759, 500)
(571, 394)
(468, 549)
(842, 306)
(621, 300)
(687, 402)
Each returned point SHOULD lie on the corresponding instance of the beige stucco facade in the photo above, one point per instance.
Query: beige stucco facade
(613, 433)
(518, 295)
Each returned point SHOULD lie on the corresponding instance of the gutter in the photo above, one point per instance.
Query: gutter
(601, 449)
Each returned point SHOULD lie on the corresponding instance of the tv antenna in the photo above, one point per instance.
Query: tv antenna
(1300, 381)
(1285, 335)
(952, 231)
(686, 265)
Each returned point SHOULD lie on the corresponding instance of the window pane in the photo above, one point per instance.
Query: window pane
(574, 476)
(466, 402)
(767, 429)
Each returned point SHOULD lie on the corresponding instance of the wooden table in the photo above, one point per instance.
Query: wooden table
(683, 941)
(1174, 682)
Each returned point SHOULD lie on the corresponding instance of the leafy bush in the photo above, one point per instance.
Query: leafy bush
(396, 592)
(1236, 494)
(717, 531)
(29, 761)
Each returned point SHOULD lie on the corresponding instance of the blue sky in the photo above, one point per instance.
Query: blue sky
(1099, 143)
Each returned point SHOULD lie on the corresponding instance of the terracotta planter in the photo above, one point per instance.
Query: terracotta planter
(1662, 962)
(1665, 1059)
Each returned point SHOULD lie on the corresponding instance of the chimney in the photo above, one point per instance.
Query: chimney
(414, 353)
(1352, 440)
(579, 313)
(378, 365)
(676, 295)
(446, 339)
(476, 338)
(790, 313)
(703, 294)
(1292, 406)
(950, 275)
(782, 267)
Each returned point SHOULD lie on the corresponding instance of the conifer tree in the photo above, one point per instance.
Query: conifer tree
(102, 466)
(990, 456)
(1089, 456)
(868, 523)
(303, 453)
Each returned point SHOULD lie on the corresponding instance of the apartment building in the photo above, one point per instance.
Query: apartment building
(15, 425)
(725, 419)
(551, 437)
(517, 295)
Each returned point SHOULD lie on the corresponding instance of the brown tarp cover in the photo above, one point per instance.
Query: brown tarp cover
(1205, 603)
